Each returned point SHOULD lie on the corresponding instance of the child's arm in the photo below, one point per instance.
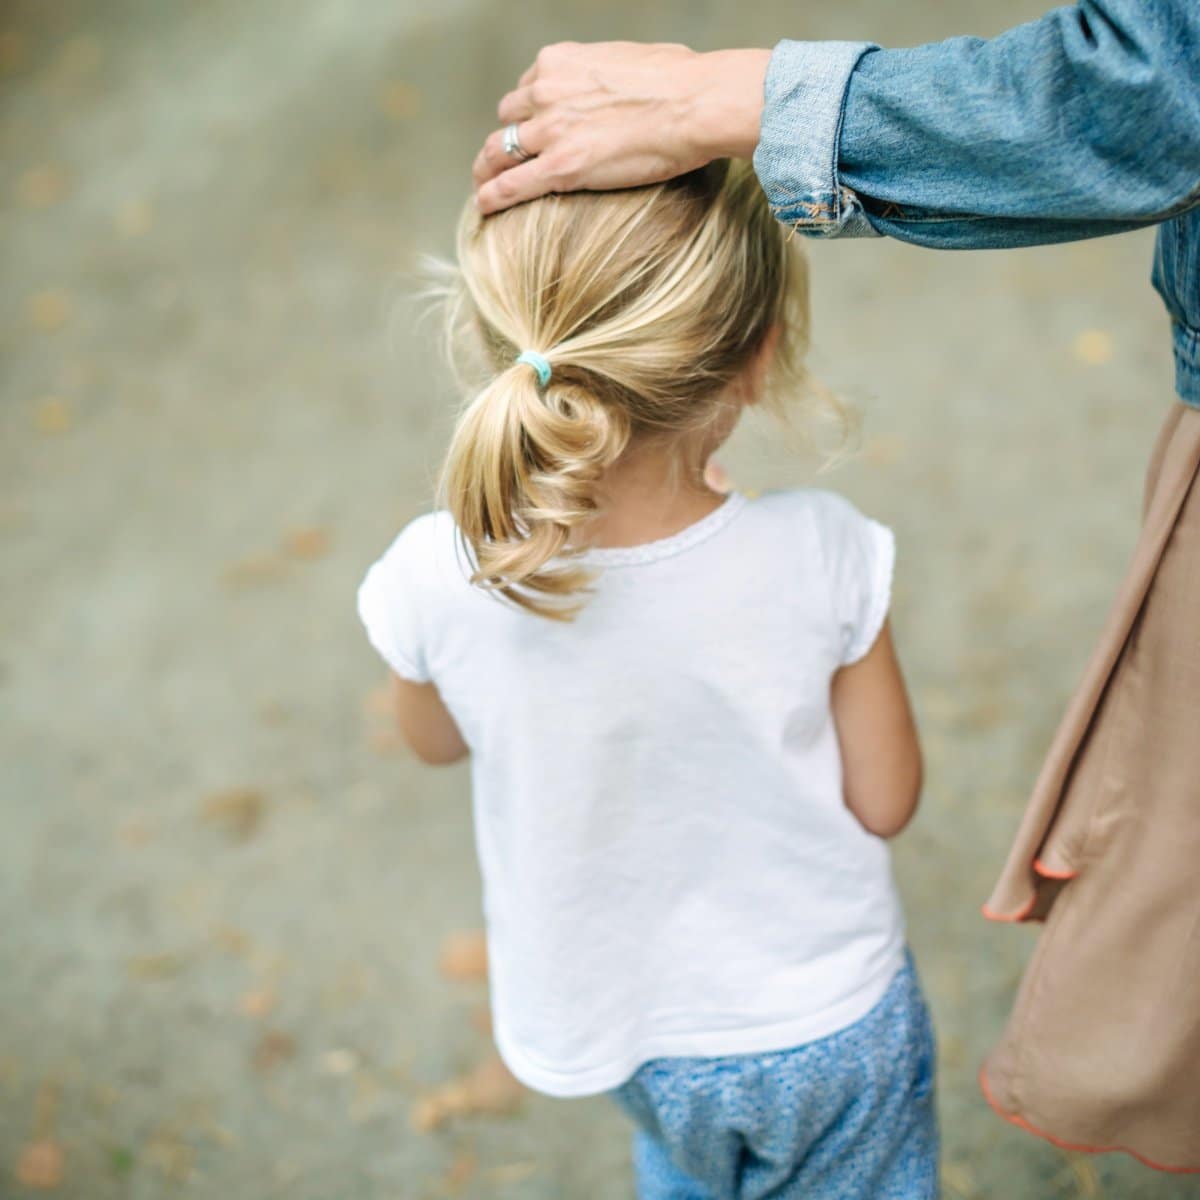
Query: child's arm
(881, 757)
(427, 726)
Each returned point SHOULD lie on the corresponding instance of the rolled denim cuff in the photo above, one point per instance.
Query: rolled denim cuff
(1187, 364)
(797, 156)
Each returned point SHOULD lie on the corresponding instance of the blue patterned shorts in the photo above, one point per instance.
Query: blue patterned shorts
(848, 1117)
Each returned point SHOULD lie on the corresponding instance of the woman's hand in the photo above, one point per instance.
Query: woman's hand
(620, 114)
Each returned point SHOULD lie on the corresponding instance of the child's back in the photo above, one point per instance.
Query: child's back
(687, 728)
(669, 865)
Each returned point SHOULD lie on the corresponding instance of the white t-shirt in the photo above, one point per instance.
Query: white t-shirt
(668, 864)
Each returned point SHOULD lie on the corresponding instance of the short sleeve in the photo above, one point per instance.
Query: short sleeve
(859, 556)
(389, 603)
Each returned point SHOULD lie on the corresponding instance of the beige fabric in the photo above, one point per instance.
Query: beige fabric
(1102, 1050)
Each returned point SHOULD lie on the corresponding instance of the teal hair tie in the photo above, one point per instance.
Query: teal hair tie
(538, 363)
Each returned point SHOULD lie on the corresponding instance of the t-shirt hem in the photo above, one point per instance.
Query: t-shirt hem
(754, 1039)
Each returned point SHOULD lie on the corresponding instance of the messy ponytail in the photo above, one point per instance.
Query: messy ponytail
(520, 477)
(646, 305)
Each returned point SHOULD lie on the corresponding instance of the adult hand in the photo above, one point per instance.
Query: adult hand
(620, 114)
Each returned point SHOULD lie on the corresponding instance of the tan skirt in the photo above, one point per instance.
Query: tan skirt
(1102, 1050)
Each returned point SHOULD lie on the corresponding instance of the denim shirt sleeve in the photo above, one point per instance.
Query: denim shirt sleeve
(1084, 122)
(797, 155)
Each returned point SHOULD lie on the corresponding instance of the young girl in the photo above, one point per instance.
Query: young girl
(688, 731)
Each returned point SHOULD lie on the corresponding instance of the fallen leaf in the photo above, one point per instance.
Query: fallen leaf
(134, 218)
(220, 1135)
(987, 713)
(42, 186)
(259, 568)
(45, 1110)
(352, 983)
(232, 940)
(79, 57)
(134, 833)
(237, 811)
(40, 1165)
(171, 1155)
(399, 100)
(258, 1002)
(50, 310)
(273, 713)
(12, 50)
(957, 1179)
(1093, 347)
(339, 1062)
(307, 543)
(274, 1047)
(52, 416)
(489, 1089)
(464, 956)
(460, 1172)
(148, 967)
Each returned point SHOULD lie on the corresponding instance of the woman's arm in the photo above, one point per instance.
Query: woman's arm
(881, 756)
(426, 724)
(1086, 121)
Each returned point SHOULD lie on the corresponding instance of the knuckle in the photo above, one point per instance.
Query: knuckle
(564, 170)
(504, 186)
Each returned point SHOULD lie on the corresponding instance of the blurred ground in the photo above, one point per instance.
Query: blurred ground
(225, 892)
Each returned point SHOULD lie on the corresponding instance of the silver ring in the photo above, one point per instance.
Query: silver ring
(512, 144)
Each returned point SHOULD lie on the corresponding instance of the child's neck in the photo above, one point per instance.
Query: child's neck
(649, 495)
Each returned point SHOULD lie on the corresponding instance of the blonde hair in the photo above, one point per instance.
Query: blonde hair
(646, 304)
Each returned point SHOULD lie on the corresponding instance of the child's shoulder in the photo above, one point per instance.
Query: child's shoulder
(427, 534)
(823, 512)
(816, 524)
(428, 548)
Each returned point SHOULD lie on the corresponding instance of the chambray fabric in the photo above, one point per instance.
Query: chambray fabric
(849, 1117)
(1082, 123)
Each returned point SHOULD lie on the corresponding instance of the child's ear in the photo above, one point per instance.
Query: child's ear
(761, 364)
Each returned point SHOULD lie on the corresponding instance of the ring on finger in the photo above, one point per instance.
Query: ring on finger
(512, 144)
